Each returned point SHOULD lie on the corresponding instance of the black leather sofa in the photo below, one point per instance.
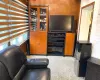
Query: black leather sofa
(15, 66)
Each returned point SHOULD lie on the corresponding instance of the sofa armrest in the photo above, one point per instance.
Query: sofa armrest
(37, 63)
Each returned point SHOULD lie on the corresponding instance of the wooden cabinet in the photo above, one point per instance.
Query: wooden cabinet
(38, 30)
(69, 44)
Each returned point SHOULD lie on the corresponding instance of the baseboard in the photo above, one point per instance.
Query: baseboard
(68, 56)
(39, 54)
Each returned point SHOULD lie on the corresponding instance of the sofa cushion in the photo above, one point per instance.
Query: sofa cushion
(37, 63)
(21, 73)
(13, 58)
(4, 75)
(37, 74)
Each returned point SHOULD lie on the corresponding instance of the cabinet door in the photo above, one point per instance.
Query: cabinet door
(43, 18)
(69, 44)
(34, 18)
(33, 41)
(42, 43)
(38, 43)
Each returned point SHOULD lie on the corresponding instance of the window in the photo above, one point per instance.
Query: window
(4, 27)
(13, 23)
(2, 46)
(18, 22)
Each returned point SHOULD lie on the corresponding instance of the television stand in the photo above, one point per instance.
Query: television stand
(56, 43)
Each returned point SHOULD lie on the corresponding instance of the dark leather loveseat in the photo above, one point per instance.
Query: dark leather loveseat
(15, 66)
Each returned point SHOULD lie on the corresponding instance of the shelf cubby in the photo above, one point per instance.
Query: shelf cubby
(56, 42)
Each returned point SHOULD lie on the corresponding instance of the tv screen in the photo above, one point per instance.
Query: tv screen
(61, 23)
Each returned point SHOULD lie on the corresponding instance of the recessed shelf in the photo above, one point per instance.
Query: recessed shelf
(42, 14)
(43, 22)
(55, 41)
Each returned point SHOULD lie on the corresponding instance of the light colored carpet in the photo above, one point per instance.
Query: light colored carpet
(62, 68)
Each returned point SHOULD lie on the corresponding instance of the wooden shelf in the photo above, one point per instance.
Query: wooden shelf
(42, 22)
(43, 15)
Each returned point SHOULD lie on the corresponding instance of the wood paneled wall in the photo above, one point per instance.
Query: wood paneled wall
(60, 7)
(24, 1)
(24, 47)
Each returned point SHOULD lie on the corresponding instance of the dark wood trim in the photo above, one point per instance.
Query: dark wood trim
(23, 47)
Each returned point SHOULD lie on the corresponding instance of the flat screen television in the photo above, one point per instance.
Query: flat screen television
(61, 23)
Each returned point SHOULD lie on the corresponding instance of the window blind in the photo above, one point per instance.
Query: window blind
(4, 24)
(18, 18)
(13, 20)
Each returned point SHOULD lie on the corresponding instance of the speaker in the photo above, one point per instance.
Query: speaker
(82, 54)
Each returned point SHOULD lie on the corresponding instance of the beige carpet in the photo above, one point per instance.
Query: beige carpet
(62, 68)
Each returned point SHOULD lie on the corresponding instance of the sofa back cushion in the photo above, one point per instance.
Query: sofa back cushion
(13, 58)
(4, 75)
(20, 73)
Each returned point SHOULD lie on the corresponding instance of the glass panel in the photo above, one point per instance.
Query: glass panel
(16, 7)
(34, 18)
(19, 28)
(18, 20)
(3, 26)
(14, 41)
(3, 20)
(1, 8)
(20, 39)
(25, 36)
(3, 14)
(11, 15)
(18, 24)
(2, 2)
(3, 46)
(43, 19)
(17, 41)
(17, 12)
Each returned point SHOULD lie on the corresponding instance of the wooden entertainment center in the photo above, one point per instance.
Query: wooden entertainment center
(61, 42)
(39, 34)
